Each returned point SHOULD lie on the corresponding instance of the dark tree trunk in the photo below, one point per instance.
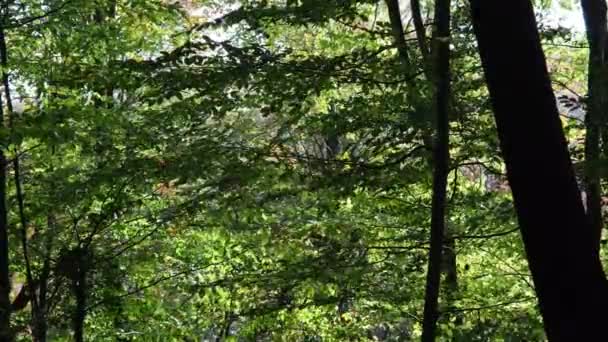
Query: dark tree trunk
(36, 314)
(449, 260)
(17, 170)
(595, 21)
(419, 27)
(5, 284)
(441, 167)
(79, 286)
(604, 120)
(560, 244)
(39, 318)
(421, 38)
(394, 14)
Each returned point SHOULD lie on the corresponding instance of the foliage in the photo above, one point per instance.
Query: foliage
(260, 171)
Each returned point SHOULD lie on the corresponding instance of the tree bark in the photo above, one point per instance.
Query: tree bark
(5, 284)
(36, 314)
(441, 168)
(594, 12)
(421, 37)
(394, 14)
(419, 27)
(80, 288)
(39, 318)
(16, 167)
(449, 259)
(560, 243)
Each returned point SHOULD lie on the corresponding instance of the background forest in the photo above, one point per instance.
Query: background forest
(266, 170)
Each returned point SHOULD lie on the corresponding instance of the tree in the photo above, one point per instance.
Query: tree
(5, 283)
(258, 170)
(597, 36)
(441, 157)
(559, 241)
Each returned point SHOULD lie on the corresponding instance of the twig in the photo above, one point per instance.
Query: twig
(26, 21)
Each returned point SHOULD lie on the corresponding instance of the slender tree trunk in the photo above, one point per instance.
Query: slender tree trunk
(449, 260)
(35, 312)
(404, 57)
(451, 276)
(419, 27)
(5, 284)
(16, 166)
(441, 155)
(399, 37)
(394, 14)
(80, 288)
(441, 167)
(604, 120)
(449, 250)
(39, 318)
(421, 36)
(560, 244)
(594, 12)
(80, 310)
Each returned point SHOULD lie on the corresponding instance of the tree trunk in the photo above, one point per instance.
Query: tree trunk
(560, 244)
(419, 27)
(595, 21)
(17, 171)
(5, 284)
(441, 167)
(449, 260)
(421, 37)
(39, 318)
(80, 288)
(394, 14)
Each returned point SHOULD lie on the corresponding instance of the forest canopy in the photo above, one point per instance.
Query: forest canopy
(302, 170)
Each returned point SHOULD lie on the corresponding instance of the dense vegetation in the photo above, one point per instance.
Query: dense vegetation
(299, 170)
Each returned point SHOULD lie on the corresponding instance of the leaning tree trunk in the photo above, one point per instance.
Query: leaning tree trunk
(595, 21)
(419, 27)
(440, 169)
(560, 244)
(394, 14)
